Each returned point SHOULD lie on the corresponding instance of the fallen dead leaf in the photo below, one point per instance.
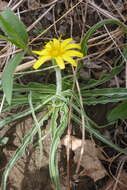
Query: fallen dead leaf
(3, 5)
(121, 183)
(72, 141)
(91, 164)
(33, 4)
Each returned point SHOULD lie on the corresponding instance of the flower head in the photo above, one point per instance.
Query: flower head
(59, 50)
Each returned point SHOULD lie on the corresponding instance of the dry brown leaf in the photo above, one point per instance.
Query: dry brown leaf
(72, 141)
(33, 4)
(91, 164)
(121, 183)
(3, 5)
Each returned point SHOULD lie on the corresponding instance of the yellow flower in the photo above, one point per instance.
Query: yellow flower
(59, 50)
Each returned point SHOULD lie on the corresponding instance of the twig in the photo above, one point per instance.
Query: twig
(18, 5)
(40, 17)
(56, 21)
(83, 122)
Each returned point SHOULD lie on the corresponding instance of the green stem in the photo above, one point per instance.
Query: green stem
(58, 81)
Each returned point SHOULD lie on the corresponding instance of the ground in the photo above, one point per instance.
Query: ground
(101, 167)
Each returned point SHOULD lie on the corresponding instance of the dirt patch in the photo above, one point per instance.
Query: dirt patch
(28, 173)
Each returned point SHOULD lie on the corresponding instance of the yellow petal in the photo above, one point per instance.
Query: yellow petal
(40, 61)
(65, 42)
(70, 60)
(73, 53)
(42, 52)
(37, 52)
(60, 62)
(48, 45)
(56, 43)
(70, 46)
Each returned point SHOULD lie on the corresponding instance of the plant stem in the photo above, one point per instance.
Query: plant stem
(58, 81)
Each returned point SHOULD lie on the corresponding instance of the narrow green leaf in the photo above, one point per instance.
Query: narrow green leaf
(105, 92)
(34, 86)
(54, 118)
(119, 112)
(89, 127)
(125, 51)
(103, 96)
(14, 117)
(104, 78)
(15, 24)
(4, 38)
(90, 32)
(7, 76)
(103, 100)
(14, 29)
(99, 136)
(3, 141)
(13, 41)
(53, 165)
(7, 28)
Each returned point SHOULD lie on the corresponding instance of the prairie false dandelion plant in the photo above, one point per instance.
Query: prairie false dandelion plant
(59, 52)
